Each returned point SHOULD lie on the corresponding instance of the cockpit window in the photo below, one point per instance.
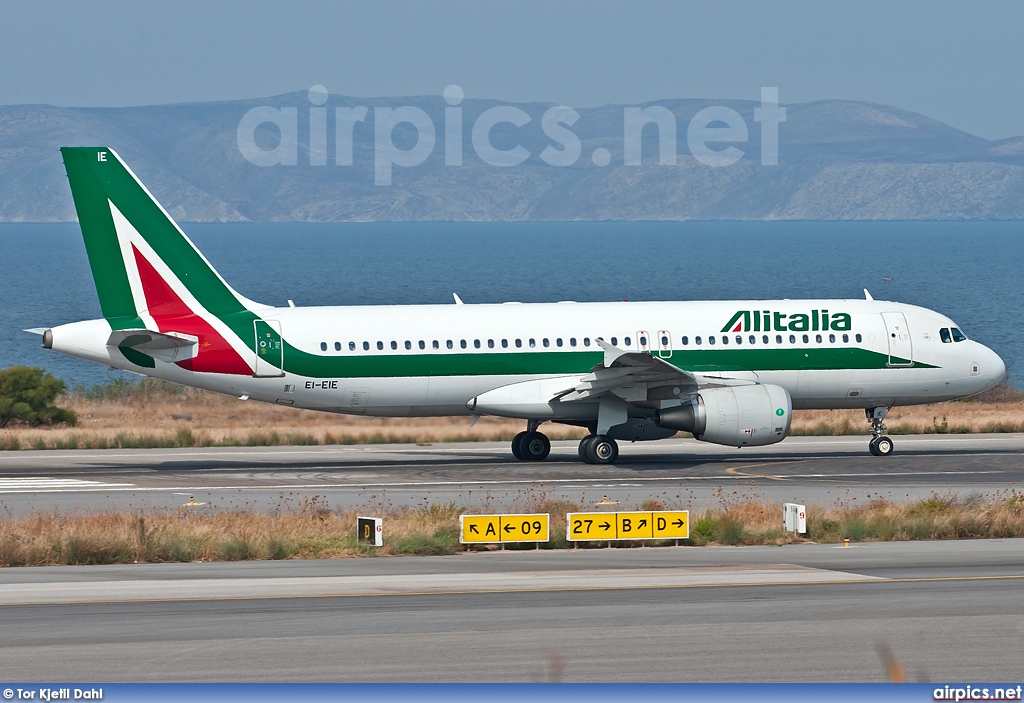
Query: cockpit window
(944, 335)
(958, 336)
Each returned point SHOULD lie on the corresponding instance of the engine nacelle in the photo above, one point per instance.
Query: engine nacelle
(736, 416)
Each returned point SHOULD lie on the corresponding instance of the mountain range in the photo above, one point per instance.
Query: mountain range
(837, 160)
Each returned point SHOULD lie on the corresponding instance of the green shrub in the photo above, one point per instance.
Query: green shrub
(27, 395)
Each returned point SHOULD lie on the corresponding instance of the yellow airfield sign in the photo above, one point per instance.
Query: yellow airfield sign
(650, 524)
(482, 529)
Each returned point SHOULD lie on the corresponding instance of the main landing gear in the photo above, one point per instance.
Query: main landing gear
(531, 445)
(598, 449)
(880, 445)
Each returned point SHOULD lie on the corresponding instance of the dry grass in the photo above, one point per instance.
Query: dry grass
(159, 414)
(955, 417)
(309, 528)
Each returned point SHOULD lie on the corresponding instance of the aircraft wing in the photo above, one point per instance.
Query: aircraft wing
(169, 347)
(639, 376)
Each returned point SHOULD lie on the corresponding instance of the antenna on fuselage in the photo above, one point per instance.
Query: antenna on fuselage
(867, 296)
(458, 300)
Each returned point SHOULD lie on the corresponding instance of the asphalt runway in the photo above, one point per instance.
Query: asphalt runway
(945, 611)
(682, 474)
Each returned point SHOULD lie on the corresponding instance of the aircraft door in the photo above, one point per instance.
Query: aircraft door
(664, 341)
(901, 350)
(269, 349)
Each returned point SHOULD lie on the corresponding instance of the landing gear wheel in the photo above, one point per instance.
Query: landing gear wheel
(515, 446)
(883, 446)
(602, 450)
(534, 446)
(584, 443)
(873, 446)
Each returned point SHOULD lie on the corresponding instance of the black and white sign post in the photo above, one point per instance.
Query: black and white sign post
(370, 530)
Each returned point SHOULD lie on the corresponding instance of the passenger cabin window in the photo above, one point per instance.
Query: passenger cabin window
(476, 343)
(423, 345)
(462, 343)
(696, 340)
(504, 344)
(337, 346)
(351, 346)
(615, 341)
(753, 339)
(408, 344)
(846, 338)
(558, 342)
(533, 343)
(685, 340)
(586, 341)
(806, 339)
(490, 344)
(519, 343)
(435, 344)
(958, 336)
(366, 346)
(831, 338)
(739, 339)
(764, 339)
(778, 339)
(858, 338)
(711, 340)
(450, 344)
(394, 344)
(323, 346)
(626, 341)
(817, 338)
(725, 339)
(572, 341)
(792, 339)
(380, 345)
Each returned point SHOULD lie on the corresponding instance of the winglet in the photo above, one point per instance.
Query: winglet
(867, 296)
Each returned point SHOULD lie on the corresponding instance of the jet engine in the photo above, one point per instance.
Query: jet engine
(736, 416)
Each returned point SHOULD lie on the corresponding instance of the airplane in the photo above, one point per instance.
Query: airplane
(728, 372)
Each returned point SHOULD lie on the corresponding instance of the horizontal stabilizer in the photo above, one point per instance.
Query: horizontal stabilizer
(170, 346)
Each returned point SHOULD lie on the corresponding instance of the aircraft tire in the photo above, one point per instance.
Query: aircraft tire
(873, 446)
(534, 446)
(516, 452)
(584, 444)
(883, 446)
(602, 450)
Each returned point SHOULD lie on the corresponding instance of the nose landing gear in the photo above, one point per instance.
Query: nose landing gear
(880, 445)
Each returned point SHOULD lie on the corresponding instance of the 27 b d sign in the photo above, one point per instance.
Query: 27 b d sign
(652, 524)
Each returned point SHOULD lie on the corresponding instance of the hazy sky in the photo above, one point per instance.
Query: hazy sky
(959, 62)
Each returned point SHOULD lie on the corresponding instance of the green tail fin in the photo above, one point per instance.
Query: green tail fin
(120, 218)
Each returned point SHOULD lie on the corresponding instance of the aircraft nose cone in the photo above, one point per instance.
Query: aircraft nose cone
(998, 367)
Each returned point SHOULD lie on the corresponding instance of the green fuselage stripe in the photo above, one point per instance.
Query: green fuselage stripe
(399, 365)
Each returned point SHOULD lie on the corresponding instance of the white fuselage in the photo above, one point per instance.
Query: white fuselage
(432, 359)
